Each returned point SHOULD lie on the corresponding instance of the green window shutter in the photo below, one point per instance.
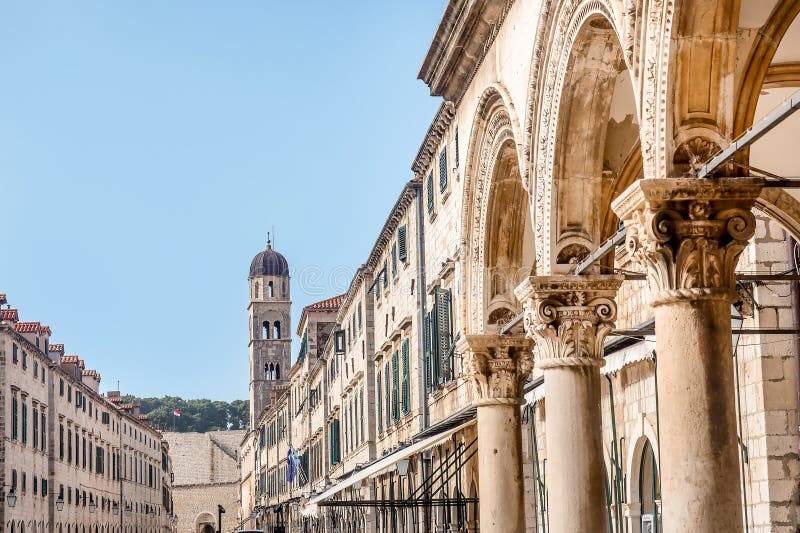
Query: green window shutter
(443, 327)
(456, 145)
(380, 403)
(395, 387)
(14, 418)
(430, 192)
(406, 378)
(394, 259)
(385, 273)
(402, 246)
(387, 382)
(443, 170)
(24, 422)
(377, 286)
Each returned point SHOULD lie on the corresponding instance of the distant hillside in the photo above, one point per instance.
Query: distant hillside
(196, 415)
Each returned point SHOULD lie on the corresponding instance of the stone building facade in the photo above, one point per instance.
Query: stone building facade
(206, 470)
(73, 459)
(601, 329)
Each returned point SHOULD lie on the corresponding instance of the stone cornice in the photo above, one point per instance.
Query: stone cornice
(467, 30)
(405, 199)
(433, 138)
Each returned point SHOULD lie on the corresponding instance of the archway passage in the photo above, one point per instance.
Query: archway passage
(597, 153)
(206, 528)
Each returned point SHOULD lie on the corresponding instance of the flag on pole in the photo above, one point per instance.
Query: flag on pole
(176, 412)
(293, 461)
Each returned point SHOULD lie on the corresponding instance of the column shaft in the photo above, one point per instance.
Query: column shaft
(700, 481)
(502, 508)
(576, 484)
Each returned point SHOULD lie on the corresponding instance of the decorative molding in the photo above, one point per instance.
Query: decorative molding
(433, 138)
(465, 34)
(569, 317)
(497, 366)
(689, 233)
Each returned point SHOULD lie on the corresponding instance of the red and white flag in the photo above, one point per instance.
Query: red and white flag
(176, 412)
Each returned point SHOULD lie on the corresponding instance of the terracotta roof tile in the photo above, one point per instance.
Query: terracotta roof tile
(9, 314)
(142, 417)
(58, 348)
(27, 327)
(114, 399)
(331, 304)
(91, 372)
(69, 359)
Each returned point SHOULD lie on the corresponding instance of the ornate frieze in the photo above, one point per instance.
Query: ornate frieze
(498, 366)
(689, 233)
(569, 317)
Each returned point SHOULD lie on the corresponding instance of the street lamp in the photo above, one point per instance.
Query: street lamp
(60, 502)
(11, 498)
(115, 508)
(92, 506)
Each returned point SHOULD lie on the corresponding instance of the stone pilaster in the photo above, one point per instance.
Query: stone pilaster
(569, 317)
(498, 366)
(689, 234)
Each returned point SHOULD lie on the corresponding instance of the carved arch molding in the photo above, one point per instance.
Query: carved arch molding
(492, 133)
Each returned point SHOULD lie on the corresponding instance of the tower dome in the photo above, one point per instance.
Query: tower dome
(269, 263)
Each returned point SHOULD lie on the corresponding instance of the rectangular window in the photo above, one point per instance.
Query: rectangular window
(385, 273)
(335, 456)
(69, 446)
(14, 417)
(24, 359)
(438, 341)
(35, 427)
(69, 393)
(44, 488)
(443, 170)
(387, 382)
(61, 441)
(36, 370)
(402, 245)
(394, 259)
(406, 383)
(43, 428)
(61, 387)
(395, 387)
(24, 421)
(379, 396)
(15, 354)
(429, 186)
(457, 148)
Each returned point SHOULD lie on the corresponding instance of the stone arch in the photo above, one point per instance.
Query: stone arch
(587, 148)
(494, 217)
(644, 433)
(205, 523)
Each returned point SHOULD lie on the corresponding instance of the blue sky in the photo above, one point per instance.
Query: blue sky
(146, 148)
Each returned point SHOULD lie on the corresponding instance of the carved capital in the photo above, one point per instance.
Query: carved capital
(569, 317)
(498, 366)
(689, 233)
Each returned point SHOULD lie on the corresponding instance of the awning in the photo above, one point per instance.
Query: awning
(627, 356)
(385, 463)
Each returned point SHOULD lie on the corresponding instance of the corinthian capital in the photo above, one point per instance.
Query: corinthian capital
(689, 233)
(498, 366)
(569, 317)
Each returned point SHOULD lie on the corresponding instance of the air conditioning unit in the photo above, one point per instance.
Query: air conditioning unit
(648, 523)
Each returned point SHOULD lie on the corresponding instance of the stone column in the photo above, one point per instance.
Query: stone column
(570, 317)
(498, 367)
(689, 233)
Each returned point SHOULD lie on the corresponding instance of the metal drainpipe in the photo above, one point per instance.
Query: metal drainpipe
(795, 301)
(615, 454)
(421, 389)
(539, 484)
(742, 447)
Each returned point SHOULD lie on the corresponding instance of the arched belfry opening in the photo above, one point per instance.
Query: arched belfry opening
(596, 150)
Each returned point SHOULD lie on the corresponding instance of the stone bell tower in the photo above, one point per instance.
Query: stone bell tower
(270, 330)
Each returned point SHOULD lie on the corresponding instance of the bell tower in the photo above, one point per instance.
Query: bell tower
(270, 330)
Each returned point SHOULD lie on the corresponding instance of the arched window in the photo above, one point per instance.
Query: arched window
(277, 330)
(265, 330)
(649, 485)
(270, 292)
(277, 371)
